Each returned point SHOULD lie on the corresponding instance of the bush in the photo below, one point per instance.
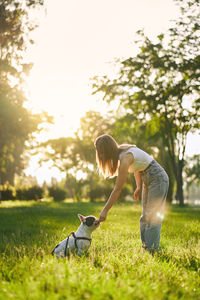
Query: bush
(57, 193)
(32, 193)
(7, 194)
(99, 192)
(20, 194)
(103, 191)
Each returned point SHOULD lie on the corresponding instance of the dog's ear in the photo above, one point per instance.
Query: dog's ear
(81, 217)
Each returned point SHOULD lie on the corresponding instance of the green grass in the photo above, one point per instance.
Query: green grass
(115, 267)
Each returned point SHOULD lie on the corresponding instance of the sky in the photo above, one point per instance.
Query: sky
(77, 40)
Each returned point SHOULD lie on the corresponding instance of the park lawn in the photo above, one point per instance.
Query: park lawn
(115, 267)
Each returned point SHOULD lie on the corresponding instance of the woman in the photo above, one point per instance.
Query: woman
(151, 180)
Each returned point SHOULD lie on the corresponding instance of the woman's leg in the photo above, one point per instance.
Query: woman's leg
(156, 197)
(142, 231)
(152, 236)
(143, 223)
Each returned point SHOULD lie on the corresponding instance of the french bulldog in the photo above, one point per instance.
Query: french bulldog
(80, 240)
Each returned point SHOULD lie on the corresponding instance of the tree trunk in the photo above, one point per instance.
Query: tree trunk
(179, 194)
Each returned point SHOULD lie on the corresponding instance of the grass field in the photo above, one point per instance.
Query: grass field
(115, 267)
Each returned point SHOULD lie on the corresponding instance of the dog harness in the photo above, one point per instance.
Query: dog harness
(75, 241)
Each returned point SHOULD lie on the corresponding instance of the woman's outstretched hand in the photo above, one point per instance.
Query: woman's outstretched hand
(102, 216)
(137, 194)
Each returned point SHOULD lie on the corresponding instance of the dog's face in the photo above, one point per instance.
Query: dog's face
(90, 221)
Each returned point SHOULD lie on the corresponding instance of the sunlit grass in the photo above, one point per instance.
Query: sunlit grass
(115, 267)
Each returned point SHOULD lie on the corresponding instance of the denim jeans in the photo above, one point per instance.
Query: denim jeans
(154, 193)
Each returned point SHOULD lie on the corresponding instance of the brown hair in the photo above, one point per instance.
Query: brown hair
(107, 154)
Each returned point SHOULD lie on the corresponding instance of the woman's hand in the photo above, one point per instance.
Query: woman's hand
(103, 215)
(137, 194)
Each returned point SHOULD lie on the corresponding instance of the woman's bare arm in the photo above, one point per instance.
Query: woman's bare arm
(138, 179)
(125, 162)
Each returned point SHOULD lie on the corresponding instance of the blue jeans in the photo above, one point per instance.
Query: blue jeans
(150, 235)
(154, 193)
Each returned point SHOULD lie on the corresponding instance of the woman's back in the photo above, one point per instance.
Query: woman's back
(141, 158)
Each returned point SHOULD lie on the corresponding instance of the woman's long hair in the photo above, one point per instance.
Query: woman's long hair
(107, 154)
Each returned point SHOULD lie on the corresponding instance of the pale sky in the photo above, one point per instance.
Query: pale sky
(79, 39)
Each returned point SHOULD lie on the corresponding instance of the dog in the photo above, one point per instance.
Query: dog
(80, 240)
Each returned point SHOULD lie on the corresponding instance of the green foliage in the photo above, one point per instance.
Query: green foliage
(158, 89)
(76, 157)
(29, 193)
(7, 192)
(75, 187)
(77, 153)
(57, 193)
(193, 170)
(16, 122)
(99, 189)
(115, 267)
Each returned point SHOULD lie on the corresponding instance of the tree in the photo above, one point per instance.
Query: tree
(78, 153)
(146, 136)
(159, 87)
(193, 170)
(76, 156)
(192, 177)
(16, 122)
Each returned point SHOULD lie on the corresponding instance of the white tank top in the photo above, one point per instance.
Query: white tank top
(141, 159)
